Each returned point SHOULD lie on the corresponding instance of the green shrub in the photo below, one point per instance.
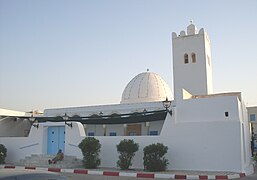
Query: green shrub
(127, 149)
(90, 148)
(255, 157)
(3, 152)
(154, 159)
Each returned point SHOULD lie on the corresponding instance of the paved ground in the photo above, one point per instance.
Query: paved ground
(96, 177)
(250, 177)
(115, 174)
(72, 176)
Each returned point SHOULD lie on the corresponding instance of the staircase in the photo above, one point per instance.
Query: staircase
(41, 160)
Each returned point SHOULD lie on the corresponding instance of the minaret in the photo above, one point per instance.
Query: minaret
(192, 69)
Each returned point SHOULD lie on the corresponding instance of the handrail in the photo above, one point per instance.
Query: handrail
(29, 146)
(73, 145)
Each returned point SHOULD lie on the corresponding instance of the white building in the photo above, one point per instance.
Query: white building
(205, 131)
(252, 114)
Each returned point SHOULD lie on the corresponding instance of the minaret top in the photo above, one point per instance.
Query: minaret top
(191, 29)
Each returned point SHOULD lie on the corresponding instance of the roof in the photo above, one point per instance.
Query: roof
(146, 87)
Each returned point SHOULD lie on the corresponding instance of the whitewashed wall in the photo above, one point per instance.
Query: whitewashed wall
(218, 144)
(208, 109)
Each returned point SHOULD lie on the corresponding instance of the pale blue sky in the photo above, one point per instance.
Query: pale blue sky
(59, 53)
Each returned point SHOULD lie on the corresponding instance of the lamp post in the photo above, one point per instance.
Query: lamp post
(147, 124)
(66, 118)
(125, 129)
(166, 104)
(104, 127)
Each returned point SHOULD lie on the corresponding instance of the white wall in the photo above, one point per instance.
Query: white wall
(208, 109)
(245, 136)
(207, 142)
(19, 147)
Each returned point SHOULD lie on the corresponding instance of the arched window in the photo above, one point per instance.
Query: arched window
(193, 56)
(185, 58)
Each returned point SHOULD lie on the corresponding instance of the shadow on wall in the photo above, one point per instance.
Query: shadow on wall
(14, 127)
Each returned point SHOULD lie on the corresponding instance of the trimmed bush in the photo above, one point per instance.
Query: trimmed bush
(127, 149)
(90, 148)
(3, 152)
(154, 159)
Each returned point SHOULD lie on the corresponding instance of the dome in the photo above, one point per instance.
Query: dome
(146, 87)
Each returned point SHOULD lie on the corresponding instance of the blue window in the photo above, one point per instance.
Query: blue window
(113, 134)
(91, 134)
(252, 117)
(153, 133)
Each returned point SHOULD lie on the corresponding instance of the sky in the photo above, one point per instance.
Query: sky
(66, 53)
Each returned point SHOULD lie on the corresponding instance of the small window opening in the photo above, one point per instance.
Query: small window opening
(226, 114)
(113, 134)
(252, 117)
(193, 56)
(185, 58)
(153, 133)
(91, 134)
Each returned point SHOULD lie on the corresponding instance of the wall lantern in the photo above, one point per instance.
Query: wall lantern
(104, 127)
(166, 104)
(35, 125)
(32, 119)
(66, 118)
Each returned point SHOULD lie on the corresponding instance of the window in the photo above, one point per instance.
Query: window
(226, 114)
(91, 134)
(132, 134)
(153, 133)
(113, 134)
(185, 58)
(193, 56)
(252, 117)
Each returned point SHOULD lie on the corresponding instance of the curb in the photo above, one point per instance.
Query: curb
(130, 174)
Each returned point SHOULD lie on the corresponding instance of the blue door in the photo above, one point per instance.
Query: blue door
(55, 139)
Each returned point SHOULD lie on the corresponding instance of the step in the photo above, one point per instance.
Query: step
(42, 160)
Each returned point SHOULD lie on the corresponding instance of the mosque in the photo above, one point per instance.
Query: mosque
(203, 130)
